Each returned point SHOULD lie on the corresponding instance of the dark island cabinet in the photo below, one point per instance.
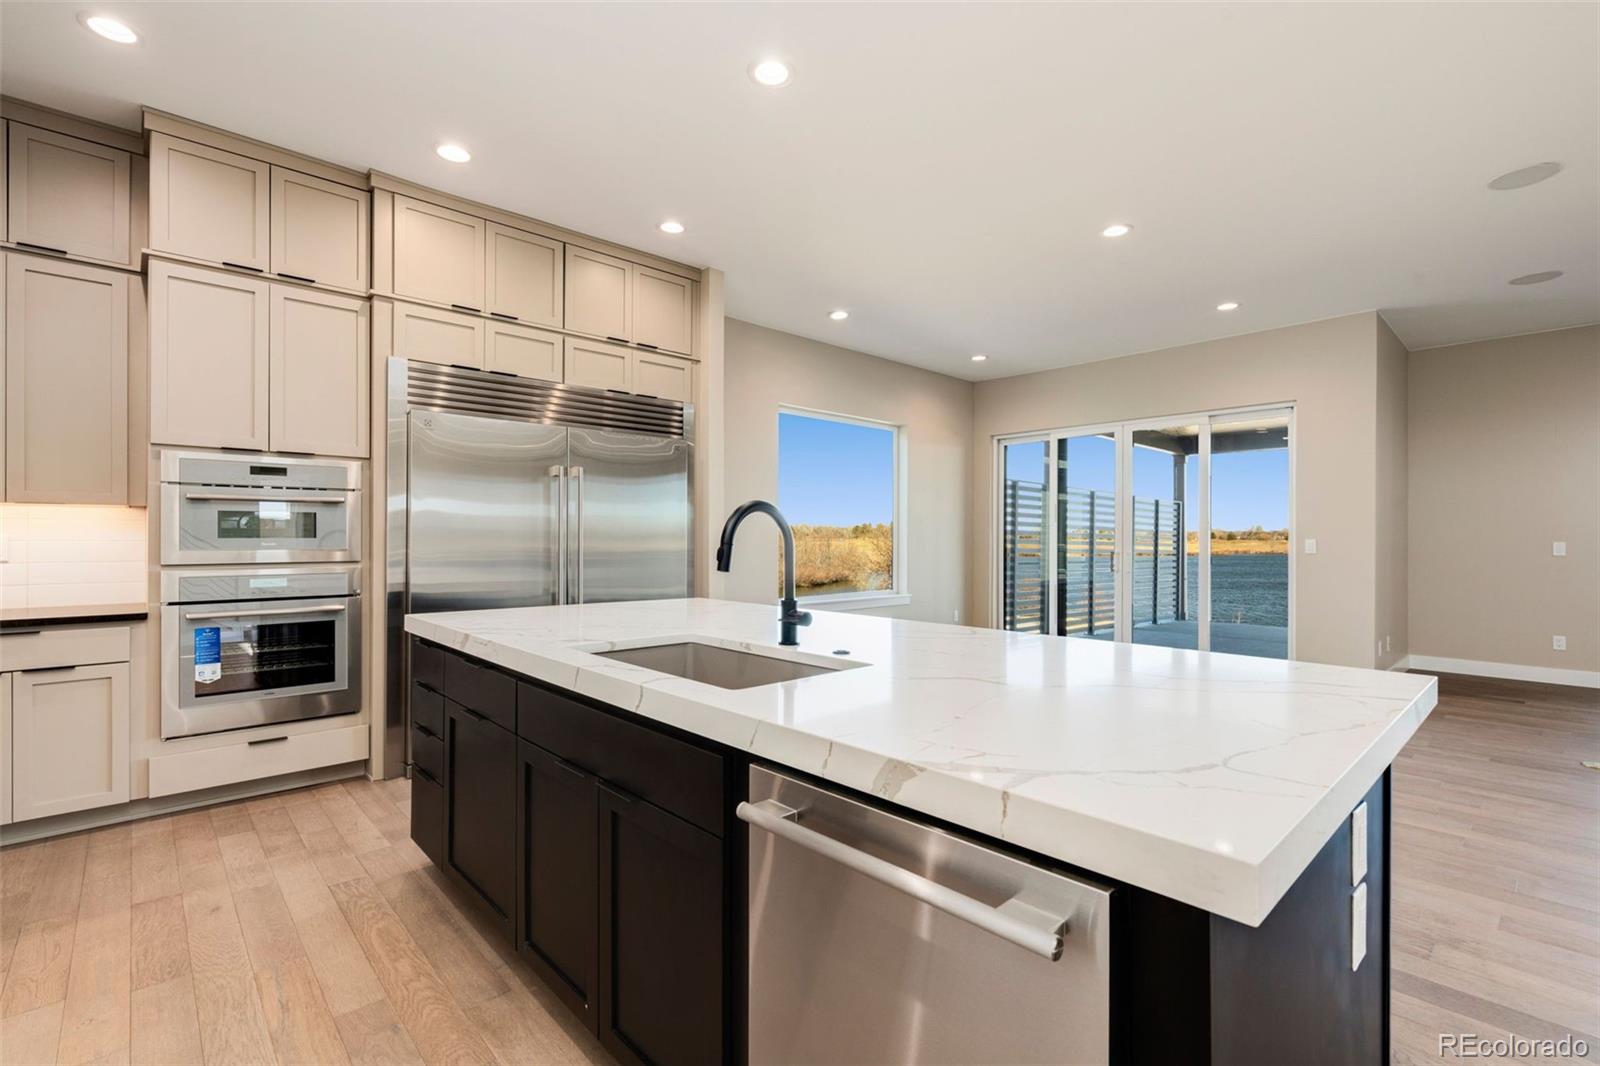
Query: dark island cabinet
(602, 846)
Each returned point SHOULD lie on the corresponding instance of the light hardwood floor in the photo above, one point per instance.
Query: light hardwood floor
(306, 928)
(299, 928)
(1496, 851)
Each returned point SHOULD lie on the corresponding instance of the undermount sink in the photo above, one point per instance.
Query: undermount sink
(711, 664)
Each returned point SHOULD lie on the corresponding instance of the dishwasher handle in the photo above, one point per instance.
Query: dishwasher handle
(1015, 920)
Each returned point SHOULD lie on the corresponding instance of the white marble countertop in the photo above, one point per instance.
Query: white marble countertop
(1213, 779)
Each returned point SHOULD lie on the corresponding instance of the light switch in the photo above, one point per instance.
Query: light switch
(1558, 548)
(1358, 926)
(1311, 545)
(1358, 844)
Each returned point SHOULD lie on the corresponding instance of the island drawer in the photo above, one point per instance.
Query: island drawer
(427, 752)
(427, 815)
(427, 710)
(680, 778)
(427, 665)
(481, 688)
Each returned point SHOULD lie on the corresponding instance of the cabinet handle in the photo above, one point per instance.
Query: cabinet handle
(264, 740)
(627, 799)
(502, 314)
(652, 347)
(423, 773)
(241, 266)
(424, 730)
(297, 277)
(20, 632)
(471, 713)
(50, 670)
(619, 340)
(41, 248)
(464, 307)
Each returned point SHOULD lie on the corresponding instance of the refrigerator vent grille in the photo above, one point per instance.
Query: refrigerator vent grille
(478, 392)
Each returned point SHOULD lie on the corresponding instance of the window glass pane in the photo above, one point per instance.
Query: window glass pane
(1250, 535)
(1086, 536)
(1022, 516)
(1166, 489)
(836, 487)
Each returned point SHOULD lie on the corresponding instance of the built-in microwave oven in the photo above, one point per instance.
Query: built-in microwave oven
(221, 507)
(248, 646)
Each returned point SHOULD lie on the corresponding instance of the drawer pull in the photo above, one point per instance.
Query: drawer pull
(464, 307)
(241, 266)
(570, 768)
(626, 798)
(264, 740)
(420, 772)
(424, 730)
(502, 314)
(652, 347)
(470, 713)
(50, 670)
(41, 248)
(20, 632)
(619, 340)
(297, 277)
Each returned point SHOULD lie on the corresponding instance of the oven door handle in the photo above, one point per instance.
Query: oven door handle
(200, 616)
(244, 497)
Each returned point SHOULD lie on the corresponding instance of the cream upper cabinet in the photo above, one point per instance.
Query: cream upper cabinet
(438, 254)
(522, 276)
(70, 729)
(663, 376)
(599, 294)
(528, 353)
(436, 336)
(208, 357)
(67, 194)
(320, 344)
(209, 204)
(663, 310)
(598, 365)
(66, 393)
(319, 230)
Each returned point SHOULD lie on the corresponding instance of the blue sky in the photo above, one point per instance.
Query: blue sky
(1248, 488)
(834, 473)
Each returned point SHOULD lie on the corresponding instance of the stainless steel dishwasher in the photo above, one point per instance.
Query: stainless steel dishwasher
(876, 939)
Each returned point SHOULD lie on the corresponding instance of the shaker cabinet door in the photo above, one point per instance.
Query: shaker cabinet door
(66, 388)
(208, 357)
(436, 336)
(523, 274)
(662, 965)
(438, 254)
(528, 353)
(599, 365)
(68, 195)
(556, 902)
(599, 295)
(665, 377)
(319, 230)
(69, 733)
(663, 310)
(318, 372)
(209, 204)
(480, 829)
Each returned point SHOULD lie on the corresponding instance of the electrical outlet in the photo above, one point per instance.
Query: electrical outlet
(1558, 547)
(1358, 844)
(1358, 926)
(1380, 646)
(1311, 545)
(1388, 642)
(1558, 642)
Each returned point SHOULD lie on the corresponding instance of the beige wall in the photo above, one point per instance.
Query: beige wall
(1390, 546)
(1327, 369)
(1505, 458)
(766, 369)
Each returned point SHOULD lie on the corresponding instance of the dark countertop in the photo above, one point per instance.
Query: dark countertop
(32, 617)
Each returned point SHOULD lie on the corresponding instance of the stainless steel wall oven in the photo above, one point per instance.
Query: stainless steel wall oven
(222, 507)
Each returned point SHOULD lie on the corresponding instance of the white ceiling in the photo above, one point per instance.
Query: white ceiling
(944, 171)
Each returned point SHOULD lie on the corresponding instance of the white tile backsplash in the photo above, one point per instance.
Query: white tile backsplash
(68, 556)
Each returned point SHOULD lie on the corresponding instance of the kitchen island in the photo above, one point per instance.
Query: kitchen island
(1215, 794)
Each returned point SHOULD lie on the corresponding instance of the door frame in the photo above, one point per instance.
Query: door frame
(1122, 433)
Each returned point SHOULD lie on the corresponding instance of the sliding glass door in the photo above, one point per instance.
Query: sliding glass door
(1171, 532)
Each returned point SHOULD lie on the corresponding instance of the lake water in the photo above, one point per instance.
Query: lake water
(1246, 588)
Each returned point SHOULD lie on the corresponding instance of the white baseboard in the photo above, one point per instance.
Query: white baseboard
(1548, 675)
(1401, 664)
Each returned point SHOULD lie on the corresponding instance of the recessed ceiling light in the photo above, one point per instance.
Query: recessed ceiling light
(838, 316)
(109, 28)
(453, 153)
(1537, 279)
(979, 358)
(670, 226)
(770, 72)
(1521, 179)
(1228, 305)
(1117, 229)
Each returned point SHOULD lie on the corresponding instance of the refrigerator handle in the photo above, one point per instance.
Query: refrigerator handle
(560, 474)
(577, 484)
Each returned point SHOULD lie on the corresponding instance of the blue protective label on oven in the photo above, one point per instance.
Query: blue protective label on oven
(207, 654)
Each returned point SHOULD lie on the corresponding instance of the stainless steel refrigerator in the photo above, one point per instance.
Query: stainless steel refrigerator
(509, 492)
